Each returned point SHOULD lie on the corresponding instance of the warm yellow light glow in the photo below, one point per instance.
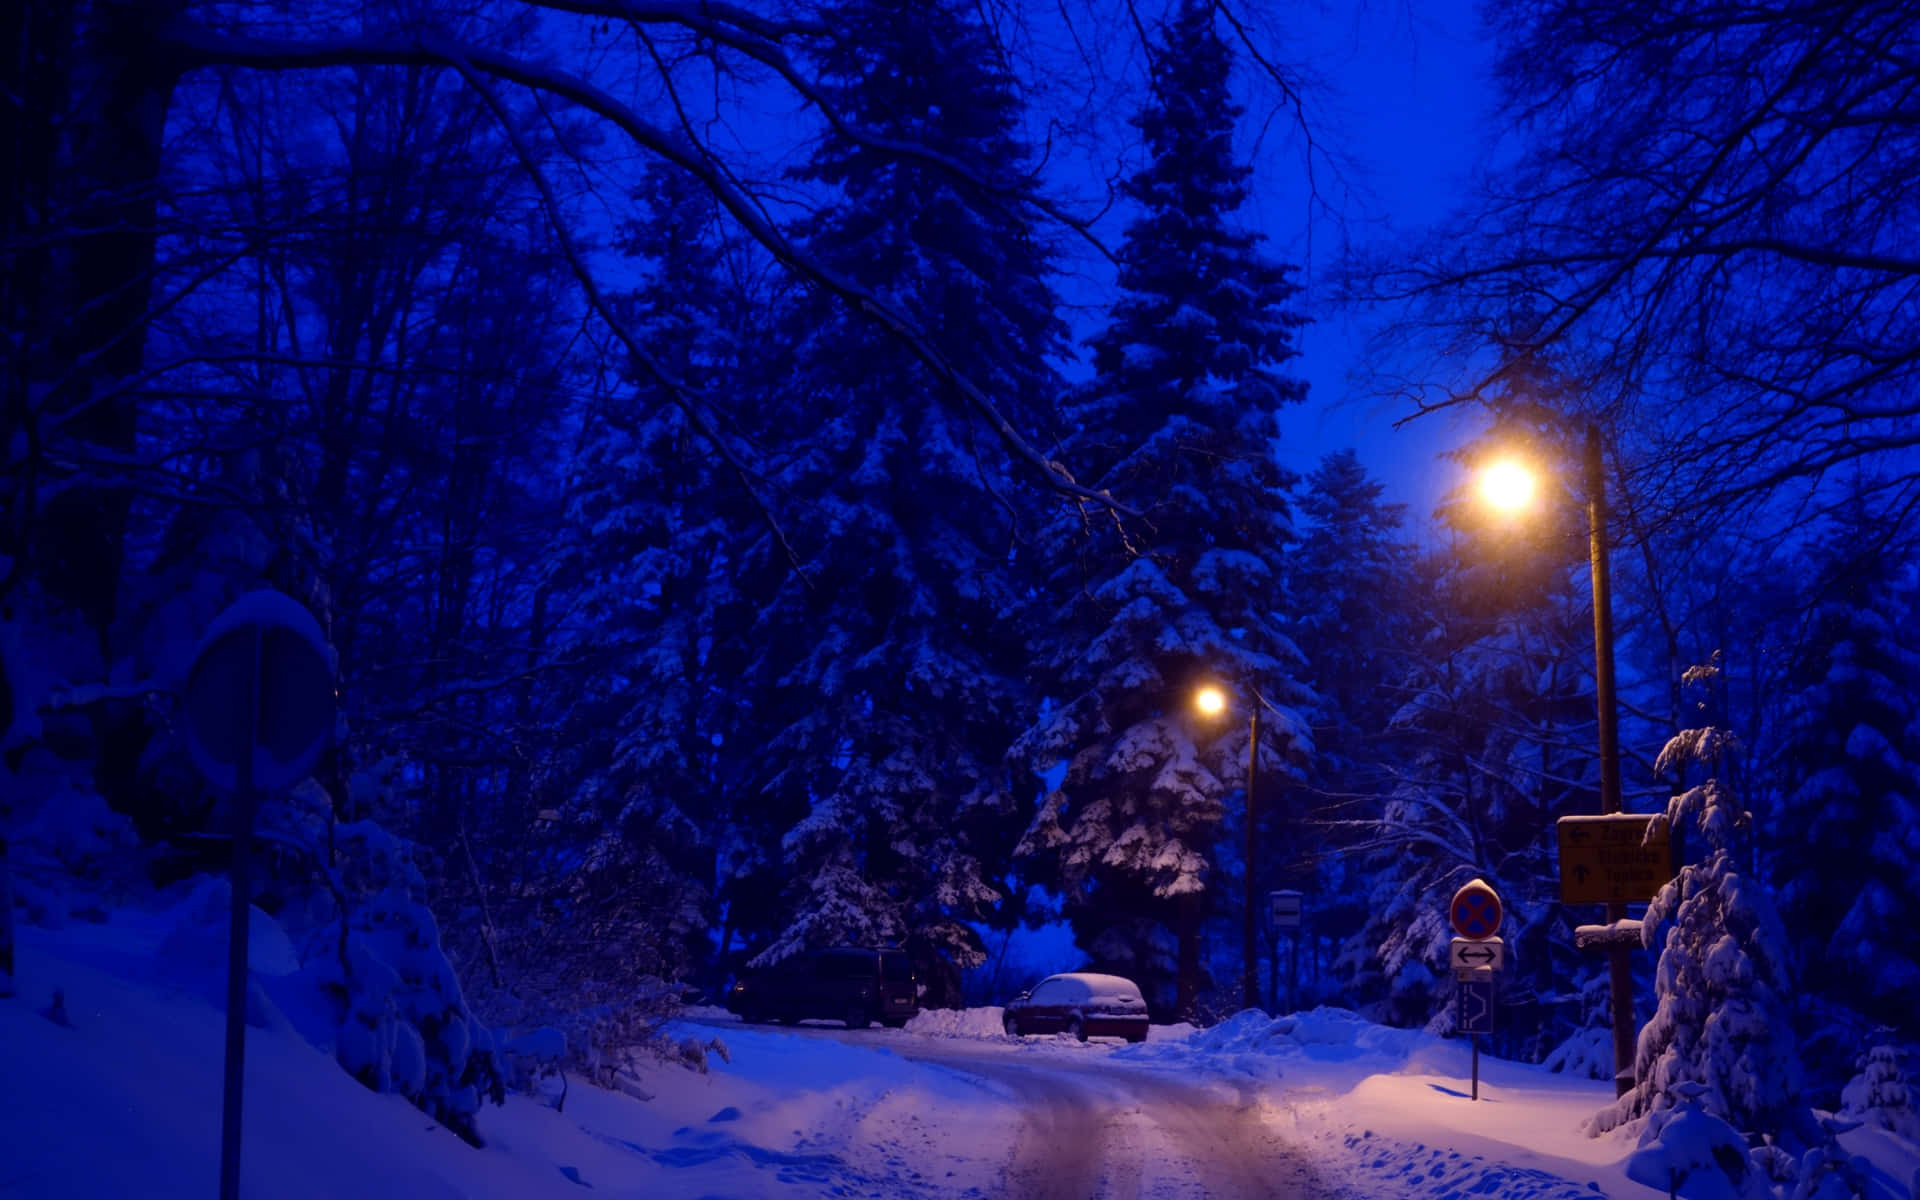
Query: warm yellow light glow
(1210, 700)
(1507, 485)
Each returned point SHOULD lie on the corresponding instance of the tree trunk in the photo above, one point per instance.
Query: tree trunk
(1187, 983)
(96, 178)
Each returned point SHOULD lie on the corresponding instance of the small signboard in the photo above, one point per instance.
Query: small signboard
(1285, 907)
(1611, 860)
(1474, 1007)
(1475, 910)
(1468, 953)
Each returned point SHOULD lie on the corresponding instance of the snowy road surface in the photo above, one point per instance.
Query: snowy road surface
(1091, 1126)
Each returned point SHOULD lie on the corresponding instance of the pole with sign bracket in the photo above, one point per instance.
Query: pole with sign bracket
(1284, 910)
(1476, 914)
(258, 709)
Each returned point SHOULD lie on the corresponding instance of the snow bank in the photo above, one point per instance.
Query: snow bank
(959, 1022)
(1254, 1044)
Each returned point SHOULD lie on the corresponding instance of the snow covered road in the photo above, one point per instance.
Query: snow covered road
(1093, 1125)
(1097, 1129)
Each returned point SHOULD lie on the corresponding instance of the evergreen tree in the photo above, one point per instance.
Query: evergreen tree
(1346, 576)
(655, 612)
(889, 677)
(1722, 988)
(1353, 581)
(1848, 754)
(1180, 421)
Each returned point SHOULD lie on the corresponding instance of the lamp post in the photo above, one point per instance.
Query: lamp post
(1510, 486)
(1212, 702)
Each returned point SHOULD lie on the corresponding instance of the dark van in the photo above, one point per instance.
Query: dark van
(839, 983)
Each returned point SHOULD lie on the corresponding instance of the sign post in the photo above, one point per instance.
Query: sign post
(1615, 859)
(1474, 999)
(1284, 910)
(258, 710)
(1476, 913)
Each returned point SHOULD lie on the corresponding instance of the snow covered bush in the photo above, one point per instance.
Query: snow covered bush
(600, 1030)
(1828, 1172)
(69, 852)
(1699, 1156)
(403, 1022)
(1882, 1094)
(1723, 1015)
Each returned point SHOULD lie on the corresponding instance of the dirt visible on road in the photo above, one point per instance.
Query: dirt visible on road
(1098, 1130)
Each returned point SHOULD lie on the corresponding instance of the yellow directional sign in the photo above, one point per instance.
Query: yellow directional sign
(1611, 860)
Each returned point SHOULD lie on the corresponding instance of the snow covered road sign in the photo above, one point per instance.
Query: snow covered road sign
(1611, 859)
(1468, 953)
(1475, 910)
(260, 675)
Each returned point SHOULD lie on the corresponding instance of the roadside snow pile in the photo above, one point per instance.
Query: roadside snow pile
(1250, 1041)
(958, 1022)
(1386, 1167)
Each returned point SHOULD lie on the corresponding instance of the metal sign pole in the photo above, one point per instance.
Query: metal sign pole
(1473, 1039)
(242, 906)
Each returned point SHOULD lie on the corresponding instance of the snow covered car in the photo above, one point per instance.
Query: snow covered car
(1081, 1003)
(841, 983)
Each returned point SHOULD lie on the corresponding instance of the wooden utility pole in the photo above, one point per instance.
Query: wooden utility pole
(1619, 968)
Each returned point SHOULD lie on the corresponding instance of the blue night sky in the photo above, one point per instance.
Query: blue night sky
(1404, 89)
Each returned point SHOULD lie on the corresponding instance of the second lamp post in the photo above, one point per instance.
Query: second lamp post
(1212, 701)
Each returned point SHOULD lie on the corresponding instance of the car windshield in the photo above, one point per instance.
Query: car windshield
(897, 968)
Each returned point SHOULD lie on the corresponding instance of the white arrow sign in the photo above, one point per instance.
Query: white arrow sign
(1468, 953)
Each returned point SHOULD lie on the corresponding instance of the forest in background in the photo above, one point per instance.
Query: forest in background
(728, 544)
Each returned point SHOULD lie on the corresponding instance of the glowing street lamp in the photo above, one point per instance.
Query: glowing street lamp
(1212, 701)
(1509, 486)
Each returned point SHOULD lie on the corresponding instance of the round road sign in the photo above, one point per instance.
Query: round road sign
(266, 654)
(1475, 910)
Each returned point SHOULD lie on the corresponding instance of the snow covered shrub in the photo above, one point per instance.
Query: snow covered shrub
(1882, 1095)
(1587, 1054)
(67, 850)
(1828, 1172)
(600, 1031)
(1723, 1018)
(403, 1021)
(1697, 1155)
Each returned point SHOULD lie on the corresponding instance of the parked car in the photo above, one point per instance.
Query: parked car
(1081, 1003)
(840, 983)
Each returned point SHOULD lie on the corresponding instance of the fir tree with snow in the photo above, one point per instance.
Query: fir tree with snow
(1885, 1094)
(1848, 755)
(889, 678)
(642, 781)
(1180, 420)
(1723, 990)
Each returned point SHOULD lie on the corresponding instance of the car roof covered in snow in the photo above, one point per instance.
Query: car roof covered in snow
(1094, 987)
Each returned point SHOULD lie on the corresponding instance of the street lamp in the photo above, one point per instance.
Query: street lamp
(1211, 701)
(1509, 485)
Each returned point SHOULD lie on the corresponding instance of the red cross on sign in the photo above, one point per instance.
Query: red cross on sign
(1475, 911)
